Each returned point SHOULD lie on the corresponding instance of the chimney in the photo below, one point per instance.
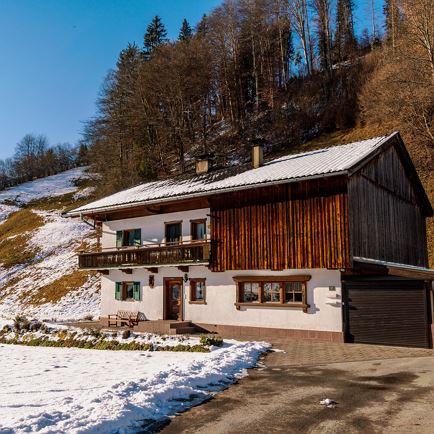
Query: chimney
(258, 153)
(203, 163)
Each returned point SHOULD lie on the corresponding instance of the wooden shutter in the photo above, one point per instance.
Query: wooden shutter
(119, 238)
(118, 291)
(137, 237)
(136, 291)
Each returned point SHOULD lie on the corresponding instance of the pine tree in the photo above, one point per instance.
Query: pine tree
(186, 32)
(155, 35)
(345, 39)
(202, 27)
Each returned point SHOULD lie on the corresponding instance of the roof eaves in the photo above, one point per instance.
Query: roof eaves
(78, 212)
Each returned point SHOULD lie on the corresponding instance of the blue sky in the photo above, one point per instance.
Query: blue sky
(54, 55)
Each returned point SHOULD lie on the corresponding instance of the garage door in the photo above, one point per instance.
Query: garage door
(386, 312)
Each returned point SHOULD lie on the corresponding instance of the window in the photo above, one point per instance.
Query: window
(271, 292)
(197, 291)
(293, 292)
(127, 291)
(173, 232)
(250, 292)
(198, 230)
(129, 237)
(285, 291)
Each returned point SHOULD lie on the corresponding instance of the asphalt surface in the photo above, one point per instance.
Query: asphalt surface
(377, 389)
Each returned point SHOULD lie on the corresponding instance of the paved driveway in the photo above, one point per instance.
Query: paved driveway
(379, 390)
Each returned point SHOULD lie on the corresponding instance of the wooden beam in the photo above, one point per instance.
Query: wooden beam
(153, 270)
(183, 268)
(105, 272)
(127, 270)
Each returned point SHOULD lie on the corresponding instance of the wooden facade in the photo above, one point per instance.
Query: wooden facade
(376, 210)
(302, 225)
(387, 219)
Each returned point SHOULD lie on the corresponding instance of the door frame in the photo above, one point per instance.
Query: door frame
(166, 281)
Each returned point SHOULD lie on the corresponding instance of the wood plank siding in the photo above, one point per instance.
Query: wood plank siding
(386, 220)
(299, 225)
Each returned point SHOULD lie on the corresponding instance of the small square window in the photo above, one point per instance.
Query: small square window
(271, 292)
(197, 290)
(250, 292)
(293, 292)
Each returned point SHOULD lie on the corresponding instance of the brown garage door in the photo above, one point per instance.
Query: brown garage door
(386, 312)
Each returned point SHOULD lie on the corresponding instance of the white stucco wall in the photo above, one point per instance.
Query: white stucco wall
(152, 226)
(324, 313)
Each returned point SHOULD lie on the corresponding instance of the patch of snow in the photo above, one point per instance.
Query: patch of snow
(83, 193)
(6, 211)
(69, 390)
(56, 185)
(57, 243)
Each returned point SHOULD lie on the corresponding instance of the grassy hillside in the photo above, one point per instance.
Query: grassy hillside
(38, 273)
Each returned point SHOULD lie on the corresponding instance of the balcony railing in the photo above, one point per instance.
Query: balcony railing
(178, 254)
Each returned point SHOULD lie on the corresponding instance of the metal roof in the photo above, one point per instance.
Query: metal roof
(290, 168)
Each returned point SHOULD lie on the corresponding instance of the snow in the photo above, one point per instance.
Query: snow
(6, 211)
(336, 159)
(55, 185)
(68, 390)
(57, 243)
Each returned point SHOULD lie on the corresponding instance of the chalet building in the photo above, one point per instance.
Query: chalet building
(327, 245)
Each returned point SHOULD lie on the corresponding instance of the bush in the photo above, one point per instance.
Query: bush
(35, 325)
(209, 340)
(21, 323)
(126, 334)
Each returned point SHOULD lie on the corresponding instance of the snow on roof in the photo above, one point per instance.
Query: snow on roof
(290, 168)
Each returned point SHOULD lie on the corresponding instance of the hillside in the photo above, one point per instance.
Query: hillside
(39, 276)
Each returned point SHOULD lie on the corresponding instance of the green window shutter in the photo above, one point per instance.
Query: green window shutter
(119, 238)
(136, 291)
(118, 291)
(137, 237)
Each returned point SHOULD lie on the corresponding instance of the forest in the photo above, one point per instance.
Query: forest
(34, 157)
(284, 72)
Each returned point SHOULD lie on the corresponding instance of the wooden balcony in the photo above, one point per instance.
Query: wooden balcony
(194, 253)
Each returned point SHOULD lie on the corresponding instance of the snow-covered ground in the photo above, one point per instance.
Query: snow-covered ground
(69, 390)
(51, 186)
(56, 242)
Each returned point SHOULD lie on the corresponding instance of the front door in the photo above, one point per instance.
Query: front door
(174, 299)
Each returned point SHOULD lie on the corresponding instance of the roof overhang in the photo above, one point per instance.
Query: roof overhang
(201, 194)
(393, 269)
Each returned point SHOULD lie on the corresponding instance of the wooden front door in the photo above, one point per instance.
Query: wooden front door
(173, 299)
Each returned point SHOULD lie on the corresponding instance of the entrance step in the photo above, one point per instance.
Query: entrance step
(165, 327)
(182, 331)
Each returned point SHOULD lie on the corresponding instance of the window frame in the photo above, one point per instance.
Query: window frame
(282, 280)
(172, 243)
(192, 298)
(194, 222)
(125, 231)
(123, 292)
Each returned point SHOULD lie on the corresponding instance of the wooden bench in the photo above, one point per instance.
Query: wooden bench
(123, 317)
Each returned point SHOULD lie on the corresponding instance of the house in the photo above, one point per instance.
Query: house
(327, 245)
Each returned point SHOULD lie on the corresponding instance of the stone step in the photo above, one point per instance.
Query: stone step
(182, 331)
(179, 324)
